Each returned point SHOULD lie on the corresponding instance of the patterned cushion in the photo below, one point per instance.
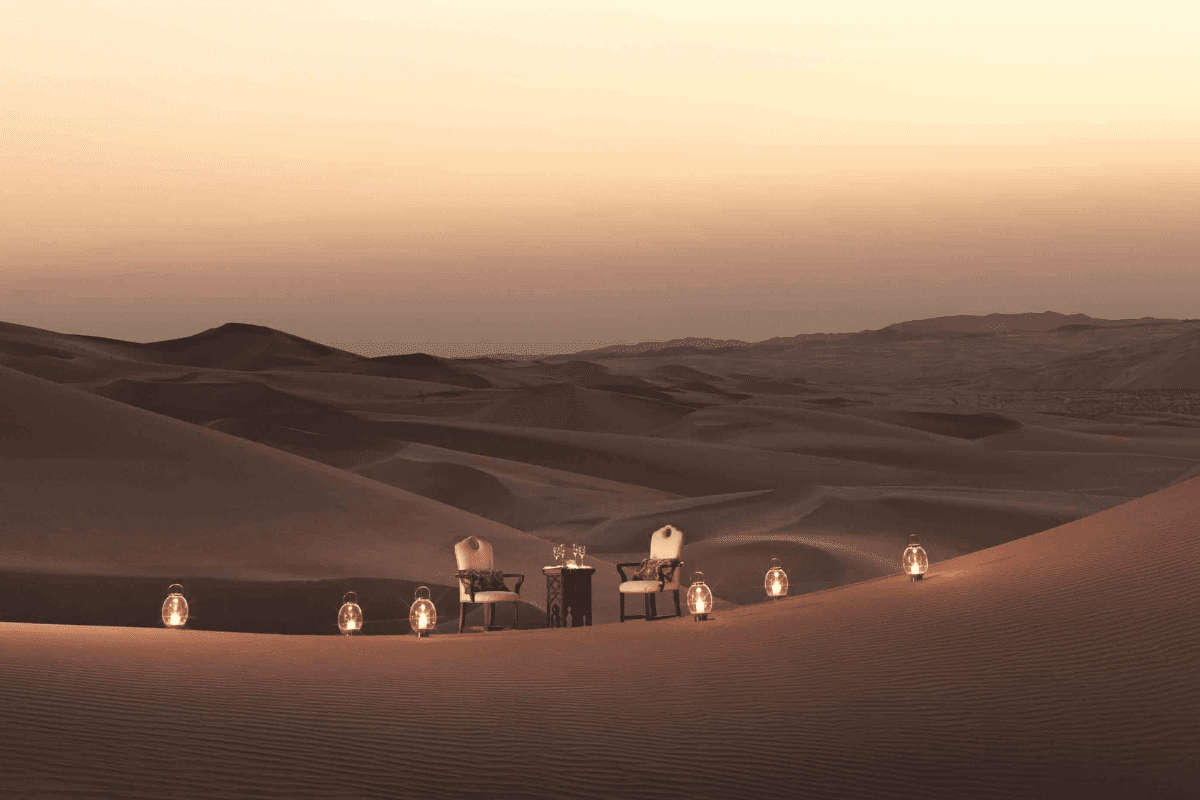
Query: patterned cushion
(649, 570)
(484, 580)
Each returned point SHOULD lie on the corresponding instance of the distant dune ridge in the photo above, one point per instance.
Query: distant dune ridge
(1048, 462)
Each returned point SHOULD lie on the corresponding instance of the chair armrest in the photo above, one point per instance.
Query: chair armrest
(467, 578)
(517, 588)
(627, 564)
(667, 571)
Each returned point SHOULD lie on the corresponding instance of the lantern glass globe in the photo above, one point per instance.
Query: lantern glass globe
(175, 607)
(915, 561)
(422, 615)
(699, 597)
(776, 582)
(350, 616)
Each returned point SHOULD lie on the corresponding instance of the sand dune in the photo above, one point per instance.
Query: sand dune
(575, 450)
(1172, 365)
(231, 346)
(203, 401)
(1058, 665)
(419, 370)
(93, 486)
(55, 356)
(971, 323)
(566, 406)
(457, 485)
(682, 467)
(684, 373)
(830, 536)
(555, 504)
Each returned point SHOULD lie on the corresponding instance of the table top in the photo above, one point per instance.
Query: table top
(561, 570)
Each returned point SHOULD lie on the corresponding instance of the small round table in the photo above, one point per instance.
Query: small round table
(568, 592)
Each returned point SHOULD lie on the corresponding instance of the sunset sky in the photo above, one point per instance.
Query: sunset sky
(468, 177)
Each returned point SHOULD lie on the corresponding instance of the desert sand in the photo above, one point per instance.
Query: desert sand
(1049, 652)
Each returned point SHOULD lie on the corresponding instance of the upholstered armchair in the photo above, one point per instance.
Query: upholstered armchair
(480, 584)
(656, 574)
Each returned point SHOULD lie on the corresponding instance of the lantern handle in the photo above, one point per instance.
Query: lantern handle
(175, 586)
(350, 597)
(417, 593)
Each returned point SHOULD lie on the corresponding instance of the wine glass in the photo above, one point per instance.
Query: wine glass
(580, 551)
(560, 550)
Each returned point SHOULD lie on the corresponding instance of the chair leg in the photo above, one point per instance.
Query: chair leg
(489, 613)
(516, 614)
(678, 613)
(621, 595)
(462, 613)
(653, 610)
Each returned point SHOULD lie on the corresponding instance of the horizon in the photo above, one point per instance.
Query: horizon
(531, 350)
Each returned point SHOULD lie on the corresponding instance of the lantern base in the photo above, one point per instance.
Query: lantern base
(421, 634)
(918, 576)
(701, 617)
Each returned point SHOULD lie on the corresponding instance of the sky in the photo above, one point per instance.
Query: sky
(549, 175)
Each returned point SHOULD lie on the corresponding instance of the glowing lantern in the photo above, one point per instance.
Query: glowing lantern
(699, 598)
(776, 581)
(422, 616)
(350, 618)
(915, 561)
(175, 608)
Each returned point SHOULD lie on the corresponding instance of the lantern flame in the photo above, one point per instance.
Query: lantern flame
(776, 587)
(701, 606)
(175, 618)
(915, 568)
(422, 620)
(350, 625)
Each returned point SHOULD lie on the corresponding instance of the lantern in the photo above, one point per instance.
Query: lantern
(915, 561)
(699, 598)
(422, 616)
(776, 581)
(350, 616)
(175, 608)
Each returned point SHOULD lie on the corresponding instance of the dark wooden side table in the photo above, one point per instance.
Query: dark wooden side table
(568, 592)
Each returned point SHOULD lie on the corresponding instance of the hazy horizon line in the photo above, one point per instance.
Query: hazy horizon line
(483, 348)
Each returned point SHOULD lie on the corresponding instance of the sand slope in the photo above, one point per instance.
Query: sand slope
(94, 486)
(1058, 665)
(1172, 365)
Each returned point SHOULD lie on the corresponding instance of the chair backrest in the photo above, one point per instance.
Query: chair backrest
(666, 542)
(472, 553)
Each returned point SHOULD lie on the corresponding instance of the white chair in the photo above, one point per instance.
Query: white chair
(661, 573)
(475, 554)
